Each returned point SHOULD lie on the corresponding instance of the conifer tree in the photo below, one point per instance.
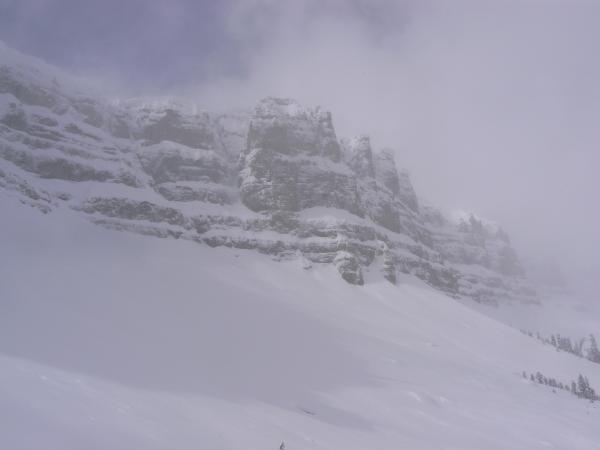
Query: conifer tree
(593, 353)
(539, 377)
(568, 345)
(583, 386)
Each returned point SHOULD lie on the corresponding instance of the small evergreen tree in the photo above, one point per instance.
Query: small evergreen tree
(569, 345)
(583, 386)
(539, 377)
(593, 353)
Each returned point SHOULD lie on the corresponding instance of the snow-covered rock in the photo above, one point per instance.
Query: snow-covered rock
(275, 180)
(349, 267)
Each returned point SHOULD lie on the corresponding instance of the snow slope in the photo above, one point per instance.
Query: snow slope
(116, 341)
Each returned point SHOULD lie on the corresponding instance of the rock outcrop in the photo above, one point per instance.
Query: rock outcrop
(276, 180)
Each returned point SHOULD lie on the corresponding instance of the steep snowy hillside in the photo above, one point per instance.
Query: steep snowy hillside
(120, 341)
(301, 291)
(276, 180)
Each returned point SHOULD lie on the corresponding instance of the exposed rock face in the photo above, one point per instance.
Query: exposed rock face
(133, 210)
(349, 267)
(276, 180)
(389, 266)
(186, 174)
(291, 161)
(360, 157)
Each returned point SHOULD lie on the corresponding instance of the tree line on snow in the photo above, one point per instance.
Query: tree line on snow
(581, 388)
(584, 347)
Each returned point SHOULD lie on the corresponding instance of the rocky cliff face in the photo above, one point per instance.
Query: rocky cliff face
(277, 180)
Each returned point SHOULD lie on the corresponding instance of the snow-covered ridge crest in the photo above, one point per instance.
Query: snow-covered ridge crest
(159, 104)
(250, 180)
(464, 218)
(36, 72)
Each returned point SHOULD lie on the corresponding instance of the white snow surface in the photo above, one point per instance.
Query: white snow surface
(111, 340)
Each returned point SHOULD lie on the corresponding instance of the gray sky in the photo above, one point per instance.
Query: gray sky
(492, 105)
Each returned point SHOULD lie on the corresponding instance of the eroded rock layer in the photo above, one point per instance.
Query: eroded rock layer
(277, 180)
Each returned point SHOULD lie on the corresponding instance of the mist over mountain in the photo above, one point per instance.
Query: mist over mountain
(276, 179)
(309, 225)
(489, 106)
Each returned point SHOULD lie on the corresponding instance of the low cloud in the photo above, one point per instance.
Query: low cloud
(492, 106)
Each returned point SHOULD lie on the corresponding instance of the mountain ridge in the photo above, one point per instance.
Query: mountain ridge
(277, 180)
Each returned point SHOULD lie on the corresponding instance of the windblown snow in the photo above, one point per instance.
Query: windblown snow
(174, 279)
(111, 340)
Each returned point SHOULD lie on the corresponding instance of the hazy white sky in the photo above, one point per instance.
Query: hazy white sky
(492, 105)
